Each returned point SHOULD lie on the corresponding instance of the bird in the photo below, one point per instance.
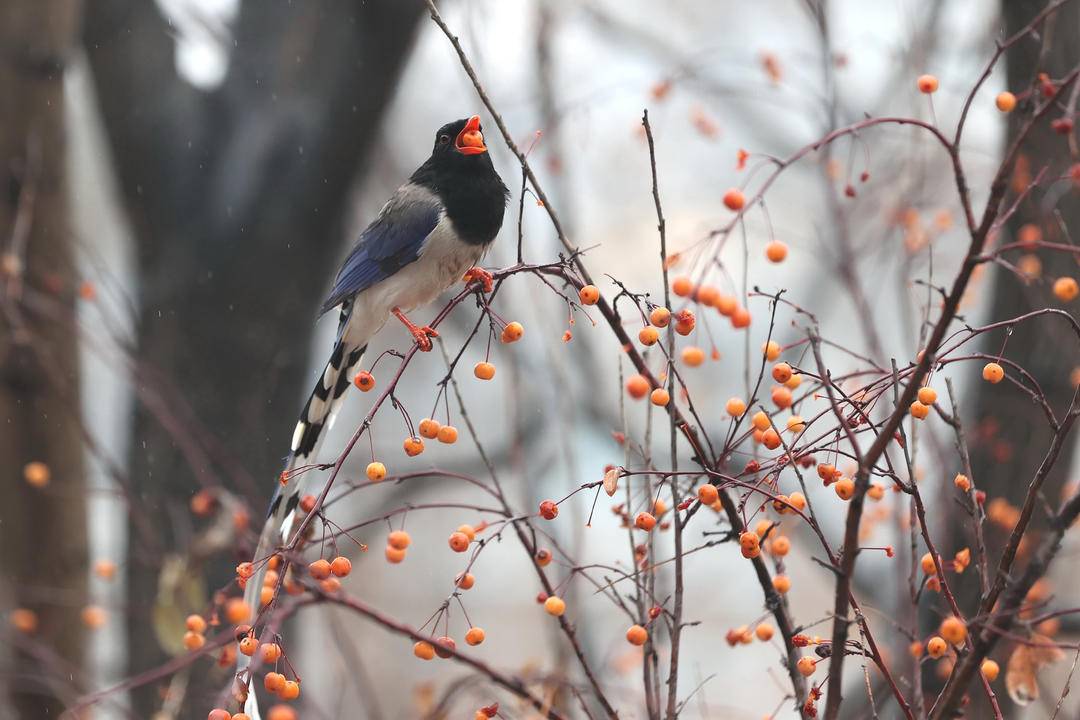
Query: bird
(430, 234)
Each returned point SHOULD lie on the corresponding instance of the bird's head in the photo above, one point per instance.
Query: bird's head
(460, 142)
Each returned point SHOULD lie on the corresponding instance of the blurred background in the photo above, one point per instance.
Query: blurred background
(181, 179)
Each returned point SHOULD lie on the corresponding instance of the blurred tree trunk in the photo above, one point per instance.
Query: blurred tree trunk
(1010, 436)
(236, 198)
(43, 561)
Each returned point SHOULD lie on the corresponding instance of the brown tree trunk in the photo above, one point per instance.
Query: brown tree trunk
(1009, 434)
(236, 197)
(43, 559)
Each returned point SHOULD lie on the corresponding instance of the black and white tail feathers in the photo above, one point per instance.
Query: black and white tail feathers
(318, 416)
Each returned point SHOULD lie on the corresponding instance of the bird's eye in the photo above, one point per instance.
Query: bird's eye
(443, 139)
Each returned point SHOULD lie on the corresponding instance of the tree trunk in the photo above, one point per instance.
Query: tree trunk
(236, 197)
(43, 539)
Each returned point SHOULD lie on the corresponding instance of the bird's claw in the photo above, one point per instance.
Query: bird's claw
(422, 336)
(486, 279)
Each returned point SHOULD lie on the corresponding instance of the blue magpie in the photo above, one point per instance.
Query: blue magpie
(430, 234)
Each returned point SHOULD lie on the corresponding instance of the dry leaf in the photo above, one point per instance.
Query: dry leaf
(611, 480)
(1024, 665)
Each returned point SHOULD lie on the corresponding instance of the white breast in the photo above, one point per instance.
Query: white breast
(443, 260)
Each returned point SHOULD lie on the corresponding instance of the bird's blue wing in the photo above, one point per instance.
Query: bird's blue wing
(388, 244)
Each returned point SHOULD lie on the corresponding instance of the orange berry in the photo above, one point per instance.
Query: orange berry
(645, 521)
(936, 647)
(781, 583)
(429, 428)
(105, 569)
(266, 595)
(764, 632)
(444, 645)
(660, 397)
(195, 623)
(376, 471)
(283, 712)
(993, 373)
(291, 691)
(928, 565)
(465, 581)
(448, 434)
(394, 555)
(637, 386)
(637, 635)
(781, 396)
(241, 716)
(398, 539)
(1066, 289)
(989, 669)
(927, 395)
(693, 356)
(274, 682)
(648, 335)
(474, 636)
(219, 714)
(484, 370)
(512, 332)
(554, 605)
(660, 316)
(776, 251)
(37, 474)
(1005, 101)
(413, 446)
(962, 482)
(685, 322)
(734, 199)
(320, 569)
(806, 665)
(364, 380)
(770, 439)
(797, 500)
(928, 84)
(543, 557)
(237, 611)
(727, 305)
(93, 616)
(271, 652)
(761, 420)
(844, 488)
(682, 286)
(794, 382)
(771, 350)
(735, 407)
(549, 510)
(780, 546)
(740, 318)
(245, 570)
(341, 566)
(953, 630)
(248, 645)
(795, 424)
(749, 540)
(589, 295)
(193, 640)
(468, 531)
(876, 491)
(708, 494)
(424, 650)
(707, 295)
(781, 372)
(1029, 235)
(459, 542)
(918, 410)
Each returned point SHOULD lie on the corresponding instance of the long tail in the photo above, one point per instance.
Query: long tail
(318, 416)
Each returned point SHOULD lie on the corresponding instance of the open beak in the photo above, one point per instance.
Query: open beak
(470, 141)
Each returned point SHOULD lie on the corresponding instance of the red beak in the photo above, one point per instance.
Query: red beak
(470, 141)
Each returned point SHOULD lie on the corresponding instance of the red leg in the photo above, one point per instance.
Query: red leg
(422, 335)
(479, 275)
